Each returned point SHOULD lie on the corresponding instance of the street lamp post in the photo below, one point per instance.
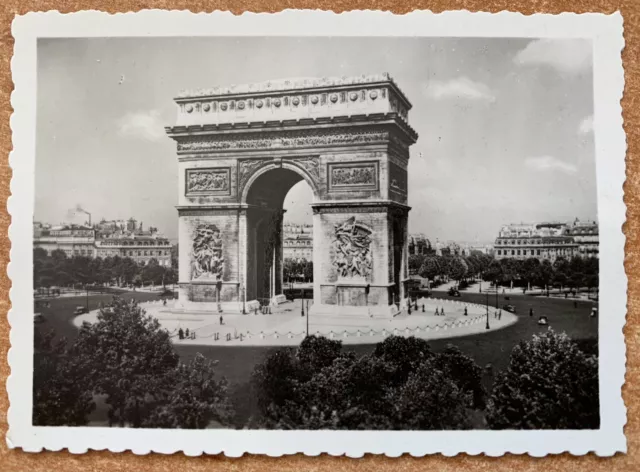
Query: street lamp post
(487, 327)
(87, 287)
(302, 304)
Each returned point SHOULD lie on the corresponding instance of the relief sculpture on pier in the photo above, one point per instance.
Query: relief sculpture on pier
(353, 258)
(208, 260)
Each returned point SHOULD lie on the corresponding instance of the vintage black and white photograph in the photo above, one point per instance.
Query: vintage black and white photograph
(318, 233)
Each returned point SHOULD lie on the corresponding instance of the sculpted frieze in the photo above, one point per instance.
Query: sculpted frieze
(283, 140)
(212, 181)
(354, 176)
(310, 164)
(246, 168)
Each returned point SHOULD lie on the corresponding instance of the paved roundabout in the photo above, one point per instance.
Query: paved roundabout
(286, 327)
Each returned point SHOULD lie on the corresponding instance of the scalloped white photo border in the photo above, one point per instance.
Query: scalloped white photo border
(606, 33)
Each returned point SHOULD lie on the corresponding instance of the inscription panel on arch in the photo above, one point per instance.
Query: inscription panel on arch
(353, 176)
(215, 181)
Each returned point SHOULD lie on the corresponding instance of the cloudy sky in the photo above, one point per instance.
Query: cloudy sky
(505, 125)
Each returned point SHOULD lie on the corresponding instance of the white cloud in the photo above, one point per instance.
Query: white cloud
(460, 87)
(143, 124)
(550, 163)
(565, 55)
(586, 125)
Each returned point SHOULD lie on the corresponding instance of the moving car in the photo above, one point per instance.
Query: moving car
(454, 292)
(543, 320)
(509, 308)
(38, 318)
(80, 310)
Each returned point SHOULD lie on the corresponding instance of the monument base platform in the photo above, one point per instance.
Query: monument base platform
(377, 311)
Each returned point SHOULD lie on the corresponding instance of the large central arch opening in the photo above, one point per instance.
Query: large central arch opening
(265, 222)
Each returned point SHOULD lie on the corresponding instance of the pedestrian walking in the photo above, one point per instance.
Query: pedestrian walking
(221, 320)
(180, 334)
(530, 311)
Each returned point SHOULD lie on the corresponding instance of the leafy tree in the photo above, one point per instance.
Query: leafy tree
(192, 397)
(317, 352)
(403, 354)
(127, 356)
(545, 274)
(530, 270)
(61, 393)
(415, 263)
(401, 385)
(494, 272)
(431, 268)
(549, 384)
(511, 269)
(464, 372)
(307, 271)
(457, 268)
(430, 400)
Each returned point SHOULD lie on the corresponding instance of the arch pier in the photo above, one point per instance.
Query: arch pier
(241, 149)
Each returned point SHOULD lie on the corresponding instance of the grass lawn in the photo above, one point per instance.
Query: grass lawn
(236, 363)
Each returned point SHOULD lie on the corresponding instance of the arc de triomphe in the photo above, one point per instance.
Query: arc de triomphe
(241, 149)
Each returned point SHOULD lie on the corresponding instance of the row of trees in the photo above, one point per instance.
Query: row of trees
(549, 384)
(59, 270)
(297, 270)
(126, 357)
(449, 266)
(571, 273)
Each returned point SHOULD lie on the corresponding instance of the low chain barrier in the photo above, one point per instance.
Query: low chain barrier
(248, 335)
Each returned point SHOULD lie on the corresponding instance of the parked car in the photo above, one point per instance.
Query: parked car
(543, 320)
(80, 310)
(38, 318)
(454, 292)
(509, 308)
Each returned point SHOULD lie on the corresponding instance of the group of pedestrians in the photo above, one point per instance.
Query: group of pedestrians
(186, 334)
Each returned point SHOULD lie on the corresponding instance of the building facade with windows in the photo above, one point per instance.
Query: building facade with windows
(297, 241)
(105, 239)
(419, 244)
(139, 248)
(74, 240)
(586, 235)
(548, 240)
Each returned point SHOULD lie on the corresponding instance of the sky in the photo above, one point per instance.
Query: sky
(505, 125)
